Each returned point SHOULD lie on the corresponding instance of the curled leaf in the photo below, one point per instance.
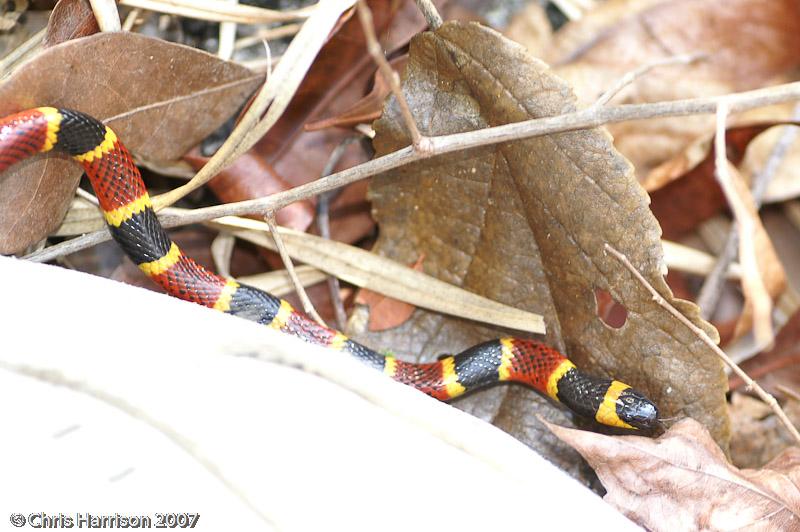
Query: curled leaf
(682, 481)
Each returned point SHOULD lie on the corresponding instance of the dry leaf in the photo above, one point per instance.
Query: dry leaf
(160, 98)
(758, 436)
(298, 215)
(682, 481)
(784, 183)
(531, 28)
(749, 43)
(779, 365)
(684, 190)
(385, 312)
(766, 280)
(70, 19)
(366, 109)
(525, 223)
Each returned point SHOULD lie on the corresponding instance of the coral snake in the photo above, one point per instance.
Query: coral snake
(133, 224)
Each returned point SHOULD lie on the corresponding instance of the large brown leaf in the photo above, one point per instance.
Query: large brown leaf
(748, 44)
(682, 481)
(160, 98)
(525, 223)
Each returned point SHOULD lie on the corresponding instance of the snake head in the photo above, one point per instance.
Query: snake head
(637, 410)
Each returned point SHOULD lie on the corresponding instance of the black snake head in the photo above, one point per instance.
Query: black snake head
(637, 410)
(608, 401)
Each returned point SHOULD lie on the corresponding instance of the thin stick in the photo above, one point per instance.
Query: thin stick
(389, 75)
(227, 37)
(711, 290)
(106, 14)
(308, 307)
(267, 34)
(219, 11)
(20, 52)
(788, 391)
(583, 119)
(324, 226)
(430, 13)
(751, 384)
(131, 19)
(752, 282)
(570, 10)
(633, 75)
(712, 286)
(334, 287)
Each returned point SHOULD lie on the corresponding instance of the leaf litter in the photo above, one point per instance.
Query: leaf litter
(524, 223)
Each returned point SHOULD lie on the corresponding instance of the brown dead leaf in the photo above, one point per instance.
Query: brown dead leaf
(766, 278)
(682, 481)
(366, 109)
(779, 365)
(525, 223)
(684, 190)
(757, 435)
(784, 183)
(386, 312)
(298, 215)
(531, 28)
(69, 20)
(160, 98)
(749, 43)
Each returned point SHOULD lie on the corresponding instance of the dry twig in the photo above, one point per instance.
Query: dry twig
(633, 75)
(430, 13)
(22, 52)
(323, 224)
(219, 11)
(267, 34)
(583, 119)
(131, 19)
(752, 282)
(308, 307)
(389, 75)
(701, 334)
(788, 391)
(106, 14)
(227, 37)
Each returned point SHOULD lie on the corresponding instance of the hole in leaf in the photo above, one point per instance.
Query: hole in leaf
(609, 310)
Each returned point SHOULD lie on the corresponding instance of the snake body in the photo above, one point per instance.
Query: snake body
(133, 224)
